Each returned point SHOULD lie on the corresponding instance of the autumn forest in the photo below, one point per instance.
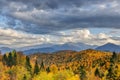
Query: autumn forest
(62, 65)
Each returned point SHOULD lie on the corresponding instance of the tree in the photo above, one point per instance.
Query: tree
(48, 69)
(36, 68)
(28, 65)
(114, 55)
(42, 67)
(82, 73)
(98, 73)
(112, 72)
(113, 58)
(4, 59)
(14, 58)
(10, 60)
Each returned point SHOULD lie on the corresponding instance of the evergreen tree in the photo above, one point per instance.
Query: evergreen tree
(112, 72)
(5, 59)
(14, 58)
(82, 73)
(48, 69)
(98, 73)
(113, 58)
(36, 68)
(10, 60)
(28, 65)
(42, 67)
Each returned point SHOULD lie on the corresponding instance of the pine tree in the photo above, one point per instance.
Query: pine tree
(113, 58)
(10, 60)
(5, 59)
(36, 68)
(14, 58)
(82, 73)
(42, 67)
(28, 65)
(112, 72)
(112, 69)
(48, 69)
(98, 73)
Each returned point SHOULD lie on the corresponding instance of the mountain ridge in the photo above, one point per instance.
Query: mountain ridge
(66, 46)
(109, 47)
(5, 49)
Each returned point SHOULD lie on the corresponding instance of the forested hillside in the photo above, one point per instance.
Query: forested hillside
(63, 65)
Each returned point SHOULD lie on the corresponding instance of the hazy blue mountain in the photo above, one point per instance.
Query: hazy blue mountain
(73, 46)
(43, 50)
(5, 49)
(109, 47)
(66, 46)
(35, 46)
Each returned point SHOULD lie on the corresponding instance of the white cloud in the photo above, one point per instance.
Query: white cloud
(87, 37)
(20, 39)
(17, 39)
(102, 36)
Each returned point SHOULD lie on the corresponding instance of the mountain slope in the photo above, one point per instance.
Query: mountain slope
(68, 56)
(109, 47)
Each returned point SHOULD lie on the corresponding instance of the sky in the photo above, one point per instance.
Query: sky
(37, 22)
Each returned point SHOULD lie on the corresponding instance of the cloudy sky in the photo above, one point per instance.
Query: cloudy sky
(36, 22)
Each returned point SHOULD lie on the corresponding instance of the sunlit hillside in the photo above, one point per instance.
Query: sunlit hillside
(62, 65)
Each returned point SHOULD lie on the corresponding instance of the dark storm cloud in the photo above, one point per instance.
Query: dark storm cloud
(49, 16)
(50, 3)
(53, 4)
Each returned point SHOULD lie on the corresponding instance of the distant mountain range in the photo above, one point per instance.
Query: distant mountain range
(109, 47)
(67, 46)
(5, 49)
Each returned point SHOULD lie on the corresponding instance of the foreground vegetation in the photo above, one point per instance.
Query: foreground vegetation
(63, 65)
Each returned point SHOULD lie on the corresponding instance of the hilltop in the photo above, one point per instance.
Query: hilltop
(69, 56)
(109, 47)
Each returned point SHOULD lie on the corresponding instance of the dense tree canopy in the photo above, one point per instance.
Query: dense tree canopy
(68, 65)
